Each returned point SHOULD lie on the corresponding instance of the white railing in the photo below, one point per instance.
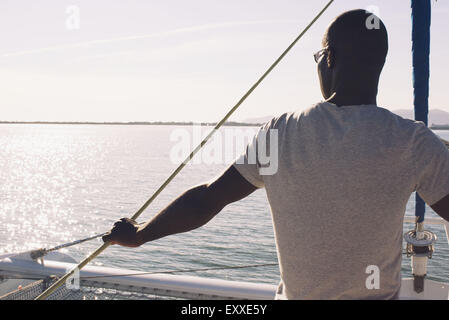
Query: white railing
(189, 287)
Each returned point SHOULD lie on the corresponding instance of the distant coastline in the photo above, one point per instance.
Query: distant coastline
(169, 123)
(139, 123)
(439, 127)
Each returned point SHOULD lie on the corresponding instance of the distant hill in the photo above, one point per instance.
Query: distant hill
(436, 116)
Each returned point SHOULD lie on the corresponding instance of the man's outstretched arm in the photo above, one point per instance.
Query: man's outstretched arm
(191, 210)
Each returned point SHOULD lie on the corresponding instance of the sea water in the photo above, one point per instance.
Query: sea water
(59, 183)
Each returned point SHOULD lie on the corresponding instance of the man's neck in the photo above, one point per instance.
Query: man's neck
(352, 100)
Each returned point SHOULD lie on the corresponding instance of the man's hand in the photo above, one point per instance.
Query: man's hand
(124, 233)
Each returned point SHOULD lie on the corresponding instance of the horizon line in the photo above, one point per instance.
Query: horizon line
(232, 123)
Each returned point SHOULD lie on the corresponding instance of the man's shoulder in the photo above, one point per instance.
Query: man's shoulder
(290, 117)
(321, 109)
(402, 120)
(399, 118)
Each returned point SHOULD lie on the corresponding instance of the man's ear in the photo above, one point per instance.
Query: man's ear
(330, 58)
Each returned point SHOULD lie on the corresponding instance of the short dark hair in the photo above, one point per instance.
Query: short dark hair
(360, 37)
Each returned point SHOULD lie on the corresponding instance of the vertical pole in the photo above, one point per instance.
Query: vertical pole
(421, 17)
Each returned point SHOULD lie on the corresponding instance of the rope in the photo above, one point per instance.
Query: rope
(36, 254)
(47, 292)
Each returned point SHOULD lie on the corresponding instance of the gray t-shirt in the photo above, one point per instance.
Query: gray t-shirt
(338, 196)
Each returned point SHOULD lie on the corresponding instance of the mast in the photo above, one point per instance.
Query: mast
(420, 242)
(421, 17)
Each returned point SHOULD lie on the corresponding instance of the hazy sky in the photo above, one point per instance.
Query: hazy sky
(177, 60)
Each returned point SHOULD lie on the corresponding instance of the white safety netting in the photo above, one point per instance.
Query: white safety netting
(33, 290)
